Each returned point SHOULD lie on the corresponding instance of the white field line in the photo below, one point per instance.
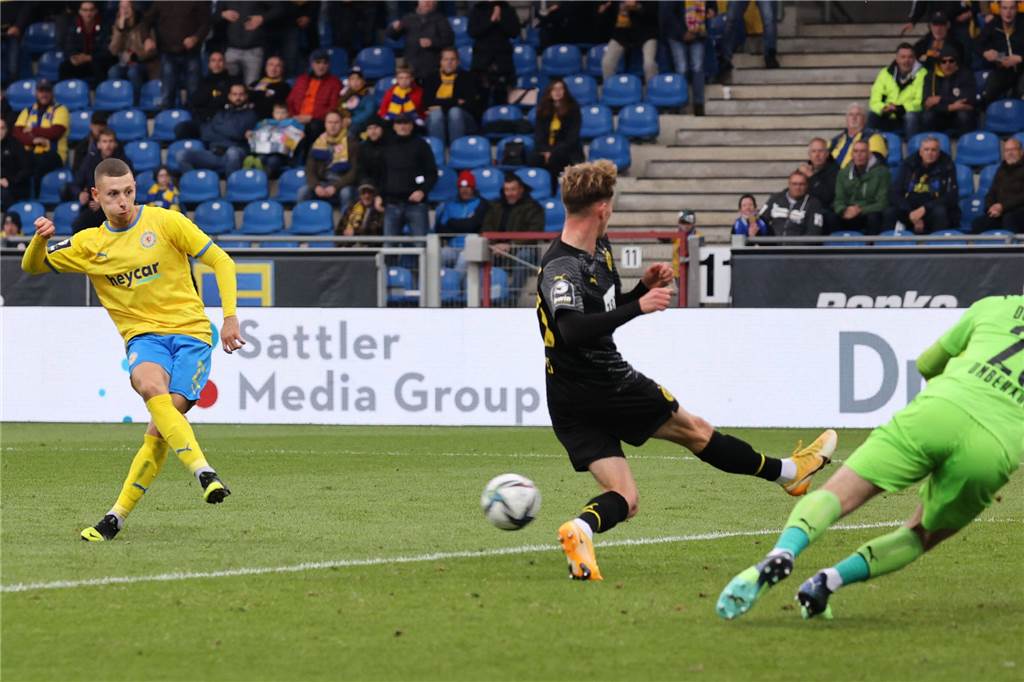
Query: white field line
(417, 558)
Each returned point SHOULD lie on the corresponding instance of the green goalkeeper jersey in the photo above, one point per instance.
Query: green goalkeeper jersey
(985, 374)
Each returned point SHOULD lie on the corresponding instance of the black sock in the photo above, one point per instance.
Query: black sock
(735, 456)
(605, 511)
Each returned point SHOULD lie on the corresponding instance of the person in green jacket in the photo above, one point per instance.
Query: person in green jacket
(862, 191)
(896, 94)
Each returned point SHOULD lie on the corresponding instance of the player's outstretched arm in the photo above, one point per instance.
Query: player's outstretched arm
(577, 329)
(34, 259)
(224, 270)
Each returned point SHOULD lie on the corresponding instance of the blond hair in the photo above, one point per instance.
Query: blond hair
(585, 184)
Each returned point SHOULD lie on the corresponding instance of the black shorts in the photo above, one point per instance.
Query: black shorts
(591, 421)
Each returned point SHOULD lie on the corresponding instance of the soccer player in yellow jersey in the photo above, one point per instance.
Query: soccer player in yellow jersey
(138, 262)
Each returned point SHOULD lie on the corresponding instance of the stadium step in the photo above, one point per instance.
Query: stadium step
(879, 30)
(847, 44)
(719, 169)
(796, 152)
(796, 76)
(699, 186)
(818, 59)
(727, 138)
(775, 106)
(677, 201)
(755, 122)
(767, 92)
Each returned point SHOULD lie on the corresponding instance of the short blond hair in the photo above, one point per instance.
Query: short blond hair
(585, 184)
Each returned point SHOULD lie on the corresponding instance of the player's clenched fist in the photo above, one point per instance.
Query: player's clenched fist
(656, 299)
(44, 227)
(658, 275)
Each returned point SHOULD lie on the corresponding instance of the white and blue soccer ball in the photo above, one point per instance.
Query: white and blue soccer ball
(510, 501)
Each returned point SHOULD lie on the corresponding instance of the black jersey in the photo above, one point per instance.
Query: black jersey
(571, 279)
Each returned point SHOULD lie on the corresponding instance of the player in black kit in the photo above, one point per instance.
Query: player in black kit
(596, 399)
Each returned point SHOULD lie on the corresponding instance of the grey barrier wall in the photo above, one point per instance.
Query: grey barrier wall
(877, 278)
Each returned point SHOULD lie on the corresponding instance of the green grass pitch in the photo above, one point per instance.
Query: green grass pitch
(306, 494)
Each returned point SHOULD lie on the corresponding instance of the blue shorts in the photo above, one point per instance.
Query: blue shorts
(185, 358)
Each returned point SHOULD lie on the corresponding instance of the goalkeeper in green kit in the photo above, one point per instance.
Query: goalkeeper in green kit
(964, 433)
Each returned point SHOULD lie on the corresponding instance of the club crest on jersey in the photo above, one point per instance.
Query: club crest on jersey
(148, 239)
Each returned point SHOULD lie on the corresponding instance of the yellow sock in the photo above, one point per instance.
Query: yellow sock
(144, 468)
(177, 432)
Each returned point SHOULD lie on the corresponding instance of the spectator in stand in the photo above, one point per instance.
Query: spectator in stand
(492, 26)
(748, 224)
(180, 28)
(924, 195)
(862, 192)
(821, 172)
(15, 169)
(684, 27)
(315, 93)
(162, 192)
(12, 228)
(297, 33)
(404, 97)
(1004, 202)
(794, 212)
(357, 99)
(949, 96)
(274, 140)
(930, 47)
(271, 89)
(16, 17)
(957, 12)
(636, 26)
(353, 24)
(208, 99)
(842, 144)
(43, 130)
(515, 211)
(464, 215)
(734, 23)
(1001, 44)
(128, 40)
(450, 99)
(557, 133)
(245, 23)
(426, 32)
(364, 218)
(87, 47)
(687, 222)
(226, 136)
(87, 144)
(331, 173)
(896, 94)
(409, 174)
(370, 159)
(91, 214)
(570, 22)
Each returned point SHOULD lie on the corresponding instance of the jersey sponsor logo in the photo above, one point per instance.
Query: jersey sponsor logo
(909, 299)
(143, 275)
(148, 239)
(62, 244)
(563, 293)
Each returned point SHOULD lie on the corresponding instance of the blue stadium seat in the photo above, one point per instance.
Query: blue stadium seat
(382, 86)
(64, 217)
(969, 210)
(181, 145)
(976, 149)
(533, 81)
(1005, 116)
(948, 233)
(129, 125)
(460, 27)
(436, 146)
(622, 90)
(149, 96)
(144, 155)
(594, 57)
(114, 95)
(525, 59)
(51, 185)
(80, 121)
(197, 186)
(471, 151)
(667, 90)
(998, 233)
(21, 94)
(981, 79)
(538, 180)
(583, 88)
(215, 217)
(29, 211)
(49, 65)
(444, 189)
(964, 180)
(531, 36)
(499, 285)
(554, 215)
(376, 62)
(531, 116)
(488, 182)
(245, 185)
(339, 61)
(639, 120)
(501, 113)
(451, 286)
(561, 60)
(289, 184)
(499, 152)
(847, 233)
(143, 181)
(465, 57)
(165, 121)
(615, 148)
(397, 45)
(40, 37)
(312, 217)
(914, 143)
(1019, 137)
(400, 283)
(597, 120)
(988, 175)
(894, 233)
(72, 93)
(262, 217)
(894, 143)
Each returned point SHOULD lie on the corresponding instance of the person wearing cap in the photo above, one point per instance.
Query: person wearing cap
(357, 98)
(409, 174)
(43, 130)
(929, 48)
(949, 96)
(687, 221)
(464, 215)
(372, 147)
(404, 97)
(270, 89)
(331, 173)
(451, 99)
(245, 24)
(426, 32)
(314, 94)
(1001, 45)
(896, 94)
(365, 217)
(87, 145)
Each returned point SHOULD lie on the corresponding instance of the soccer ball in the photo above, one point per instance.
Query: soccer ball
(510, 501)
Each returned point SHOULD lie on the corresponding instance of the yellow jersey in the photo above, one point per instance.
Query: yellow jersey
(53, 115)
(141, 272)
